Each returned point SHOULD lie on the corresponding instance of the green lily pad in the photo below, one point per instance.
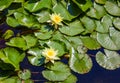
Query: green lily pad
(109, 40)
(116, 23)
(84, 4)
(112, 8)
(88, 23)
(43, 35)
(24, 42)
(80, 63)
(8, 34)
(92, 45)
(72, 29)
(110, 60)
(100, 1)
(97, 11)
(26, 20)
(12, 22)
(43, 16)
(4, 4)
(64, 12)
(56, 72)
(70, 79)
(30, 41)
(17, 42)
(11, 56)
(33, 7)
(36, 59)
(26, 74)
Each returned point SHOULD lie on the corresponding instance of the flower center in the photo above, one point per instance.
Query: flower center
(57, 19)
(50, 53)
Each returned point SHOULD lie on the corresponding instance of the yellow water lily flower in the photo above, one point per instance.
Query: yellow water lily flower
(50, 54)
(56, 19)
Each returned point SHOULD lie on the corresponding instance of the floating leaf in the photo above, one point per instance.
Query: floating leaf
(100, 1)
(12, 22)
(106, 22)
(88, 23)
(93, 44)
(24, 42)
(43, 16)
(111, 40)
(10, 80)
(17, 42)
(26, 74)
(80, 63)
(36, 59)
(70, 79)
(100, 28)
(8, 34)
(64, 12)
(97, 11)
(57, 45)
(4, 4)
(30, 41)
(111, 59)
(74, 41)
(84, 4)
(26, 20)
(43, 35)
(72, 29)
(112, 8)
(116, 23)
(33, 7)
(12, 56)
(57, 72)
(19, 1)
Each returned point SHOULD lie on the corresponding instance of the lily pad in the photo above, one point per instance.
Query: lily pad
(26, 20)
(36, 59)
(110, 60)
(100, 1)
(109, 40)
(88, 23)
(26, 74)
(5, 4)
(72, 29)
(112, 8)
(33, 7)
(56, 72)
(83, 5)
(70, 79)
(12, 22)
(116, 23)
(80, 63)
(93, 44)
(64, 12)
(97, 11)
(11, 56)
